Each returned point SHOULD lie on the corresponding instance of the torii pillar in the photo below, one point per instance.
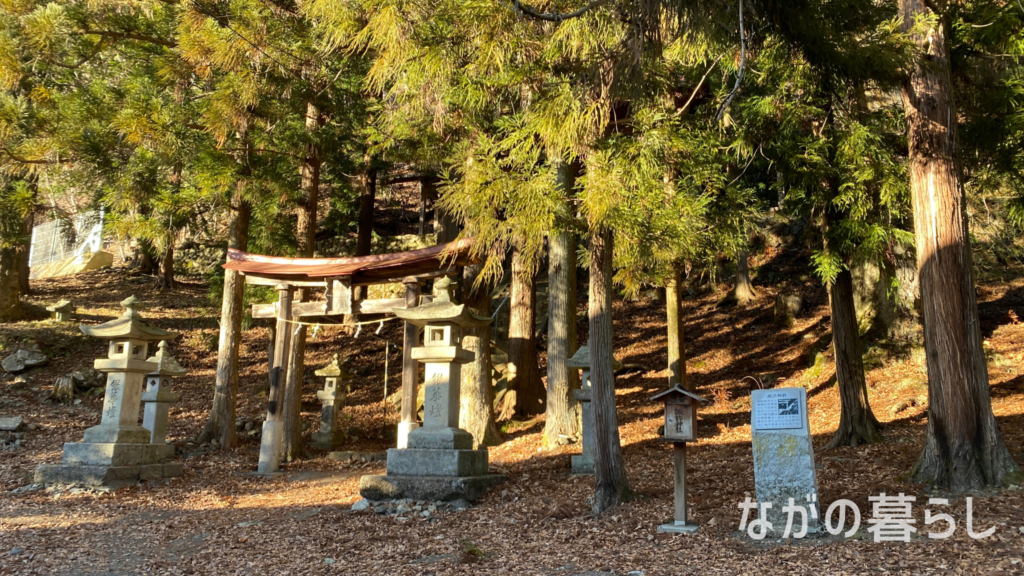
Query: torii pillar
(410, 368)
(273, 426)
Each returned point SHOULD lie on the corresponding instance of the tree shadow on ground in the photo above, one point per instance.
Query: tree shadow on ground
(996, 313)
(1008, 388)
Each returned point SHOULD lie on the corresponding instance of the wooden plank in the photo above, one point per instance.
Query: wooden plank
(339, 294)
(371, 277)
(382, 306)
(299, 309)
(299, 281)
(308, 309)
(360, 279)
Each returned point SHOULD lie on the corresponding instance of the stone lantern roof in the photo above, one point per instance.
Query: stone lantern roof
(166, 364)
(336, 369)
(128, 325)
(581, 360)
(63, 305)
(442, 309)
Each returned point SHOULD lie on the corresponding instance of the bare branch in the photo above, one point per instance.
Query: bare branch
(129, 36)
(693, 94)
(267, 150)
(556, 16)
(21, 160)
(739, 74)
(86, 58)
(402, 180)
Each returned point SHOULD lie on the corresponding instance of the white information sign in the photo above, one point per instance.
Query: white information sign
(779, 409)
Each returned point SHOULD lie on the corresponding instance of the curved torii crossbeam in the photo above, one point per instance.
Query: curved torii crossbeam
(360, 270)
(338, 275)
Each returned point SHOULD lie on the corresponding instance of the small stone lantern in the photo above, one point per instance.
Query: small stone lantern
(157, 398)
(680, 428)
(62, 310)
(583, 463)
(333, 396)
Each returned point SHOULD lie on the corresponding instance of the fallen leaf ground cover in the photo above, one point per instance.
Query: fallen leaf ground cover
(218, 519)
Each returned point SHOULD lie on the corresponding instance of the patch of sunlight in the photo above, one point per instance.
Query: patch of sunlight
(652, 410)
(53, 520)
(305, 494)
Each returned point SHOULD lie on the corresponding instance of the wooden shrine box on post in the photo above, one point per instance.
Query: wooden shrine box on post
(680, 414)
(680, 428)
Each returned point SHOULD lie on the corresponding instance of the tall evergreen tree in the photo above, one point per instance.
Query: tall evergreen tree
(964, 449)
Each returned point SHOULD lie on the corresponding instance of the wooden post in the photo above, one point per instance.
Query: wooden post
(679, 462)
(680, 524)
(410, 368)
(273, 426)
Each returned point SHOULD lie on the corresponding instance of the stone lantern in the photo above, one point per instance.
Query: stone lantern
(680, 428)
(583, 463)
(62, 311)
(440, 462)
(118, 451)
(158, 397)
(332, 396)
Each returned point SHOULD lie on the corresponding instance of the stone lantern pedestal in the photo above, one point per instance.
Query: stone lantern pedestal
(117, 452)
(440, 462)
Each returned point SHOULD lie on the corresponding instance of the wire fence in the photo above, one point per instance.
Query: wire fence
(60, 239)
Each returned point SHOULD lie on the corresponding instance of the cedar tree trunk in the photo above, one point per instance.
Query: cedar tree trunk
(611, 485)
(964, 449)
(221, 423)
(167, 260)
(167, 265)
(293, 446)
(367, 197)
(446, 228)
(563, 413)
(476, 413)
(561, 419)
(857, 423)
(10, 291)
(24, 251)
(367, 183)
(676, 332)
(743, 292)
(145, 258)
(525, 395)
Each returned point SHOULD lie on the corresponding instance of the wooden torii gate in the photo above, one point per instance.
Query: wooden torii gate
(337, 278)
